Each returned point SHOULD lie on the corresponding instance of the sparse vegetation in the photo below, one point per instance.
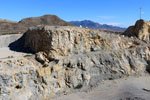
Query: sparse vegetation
(28, 55)
(9, 33)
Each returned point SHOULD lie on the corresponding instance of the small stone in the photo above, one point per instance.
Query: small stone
(40, 58)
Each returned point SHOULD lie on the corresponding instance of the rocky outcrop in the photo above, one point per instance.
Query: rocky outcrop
(141, 30)
(71, 58)
(64, 41)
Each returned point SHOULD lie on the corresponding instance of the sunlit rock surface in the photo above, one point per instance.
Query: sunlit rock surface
(70, 58)
(141, 30)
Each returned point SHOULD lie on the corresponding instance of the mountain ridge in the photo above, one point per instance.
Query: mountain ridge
(96, 25)
(8, 27)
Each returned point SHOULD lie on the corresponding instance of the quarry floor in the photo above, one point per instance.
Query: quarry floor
(131, 88)
(5, 53)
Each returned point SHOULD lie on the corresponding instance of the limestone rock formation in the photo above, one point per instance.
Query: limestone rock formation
(62, 41)
(71, 58)
(141, 30)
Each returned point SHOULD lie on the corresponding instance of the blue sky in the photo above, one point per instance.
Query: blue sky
(115, 12)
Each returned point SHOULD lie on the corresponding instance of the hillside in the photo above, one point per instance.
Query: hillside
(95, 25)
(7, 27)
(51, 20)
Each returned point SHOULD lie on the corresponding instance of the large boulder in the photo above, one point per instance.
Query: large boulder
(61, 41)
(141, 30)
(56, 41)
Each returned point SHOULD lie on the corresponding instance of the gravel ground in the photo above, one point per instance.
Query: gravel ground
(5, 52)
(132, 88)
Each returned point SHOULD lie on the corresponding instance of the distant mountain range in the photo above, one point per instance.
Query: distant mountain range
(95, 25)
(9, 27)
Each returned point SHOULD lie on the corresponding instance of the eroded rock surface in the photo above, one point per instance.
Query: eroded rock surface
(141, 30)
(70, 58)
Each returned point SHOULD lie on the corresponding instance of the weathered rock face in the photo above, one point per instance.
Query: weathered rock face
(81, 59)
(141, 30)
(60, 41)
(63, 41)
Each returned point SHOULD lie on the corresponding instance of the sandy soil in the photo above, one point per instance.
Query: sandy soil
(135, 88)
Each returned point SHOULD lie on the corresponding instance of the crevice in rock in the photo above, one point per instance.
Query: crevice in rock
(18, 86)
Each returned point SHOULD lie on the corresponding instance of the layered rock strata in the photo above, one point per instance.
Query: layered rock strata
(70, 58)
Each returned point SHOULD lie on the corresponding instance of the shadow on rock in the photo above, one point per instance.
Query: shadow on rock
(18, 45)
(132, 98)
(148, 67)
